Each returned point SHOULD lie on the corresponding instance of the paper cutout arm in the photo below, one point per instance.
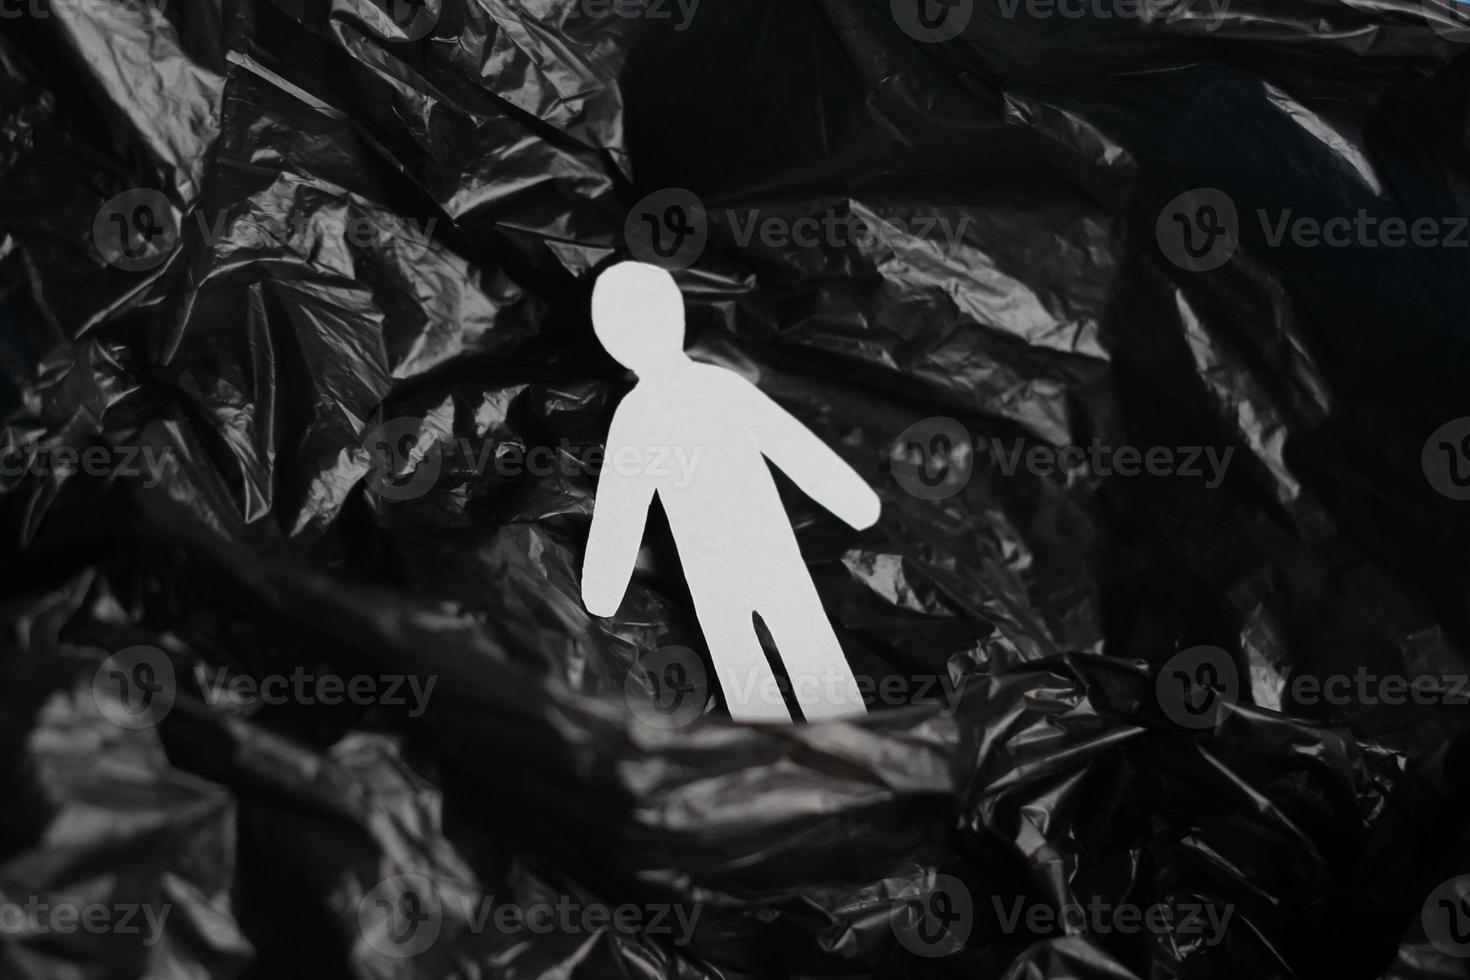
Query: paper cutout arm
(811, 463)
(619, 514)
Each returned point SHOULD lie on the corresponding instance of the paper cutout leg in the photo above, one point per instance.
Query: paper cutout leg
(746, 678)
(823, 682)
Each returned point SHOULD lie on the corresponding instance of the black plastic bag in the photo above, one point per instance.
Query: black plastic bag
(1147, 321)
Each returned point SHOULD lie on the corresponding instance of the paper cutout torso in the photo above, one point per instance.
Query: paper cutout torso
(696, 435)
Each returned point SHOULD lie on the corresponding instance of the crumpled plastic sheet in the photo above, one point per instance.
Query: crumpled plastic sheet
(504, 147)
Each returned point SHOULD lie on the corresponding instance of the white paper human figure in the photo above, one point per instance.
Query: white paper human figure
(695, 434)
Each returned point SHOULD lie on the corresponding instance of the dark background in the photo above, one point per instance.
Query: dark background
(529, 134)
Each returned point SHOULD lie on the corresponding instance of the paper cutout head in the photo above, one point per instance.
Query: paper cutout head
(638, 315)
